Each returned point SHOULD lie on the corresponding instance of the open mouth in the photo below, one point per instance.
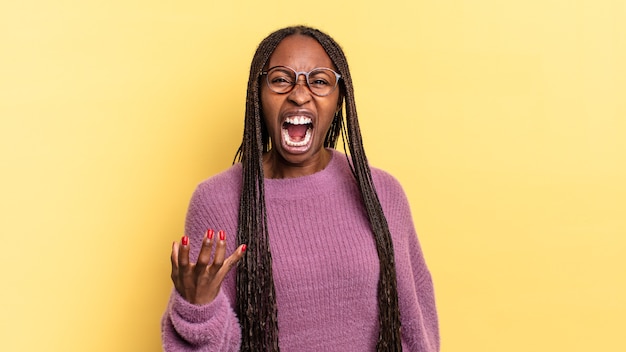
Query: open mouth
(297, 131)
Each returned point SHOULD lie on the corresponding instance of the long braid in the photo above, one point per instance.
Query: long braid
(256, 297)
(389, 338)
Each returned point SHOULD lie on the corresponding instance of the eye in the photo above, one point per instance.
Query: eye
(319, 82)
(320, 79)
(280, 78)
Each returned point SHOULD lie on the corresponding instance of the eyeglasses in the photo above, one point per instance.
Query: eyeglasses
(321, 81)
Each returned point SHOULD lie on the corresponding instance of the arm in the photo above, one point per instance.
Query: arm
(199, 315)
(418, 312)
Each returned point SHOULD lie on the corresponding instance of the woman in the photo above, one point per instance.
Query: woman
(325, 256)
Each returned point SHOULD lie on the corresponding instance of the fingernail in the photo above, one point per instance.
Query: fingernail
(185, 240)
(243, 248)
(222, 235)
(209, 234)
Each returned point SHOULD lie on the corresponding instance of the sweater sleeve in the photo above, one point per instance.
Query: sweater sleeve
(214, 326)
(188, 327)
(427, 332)
(418, 313)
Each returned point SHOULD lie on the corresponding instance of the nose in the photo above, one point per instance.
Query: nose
(300, 94)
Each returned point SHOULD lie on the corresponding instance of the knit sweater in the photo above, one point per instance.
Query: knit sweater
(325, 265)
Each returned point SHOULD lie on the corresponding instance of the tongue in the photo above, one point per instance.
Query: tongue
(297, 132)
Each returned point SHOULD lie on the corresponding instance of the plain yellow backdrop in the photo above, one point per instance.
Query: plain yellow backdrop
(504, 120)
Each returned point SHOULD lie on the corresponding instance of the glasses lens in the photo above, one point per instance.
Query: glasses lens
(322, 81)
(281, 79)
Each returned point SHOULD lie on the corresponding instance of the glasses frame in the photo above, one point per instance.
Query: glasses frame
(295, 82)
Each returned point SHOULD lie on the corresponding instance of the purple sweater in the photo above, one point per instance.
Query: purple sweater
(325, 265)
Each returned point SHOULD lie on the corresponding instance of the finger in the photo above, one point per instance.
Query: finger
(229, 263)
(220, 250)
(205, 252)
(186, 281)
(183, 253)
(174, 260)
(233, 259)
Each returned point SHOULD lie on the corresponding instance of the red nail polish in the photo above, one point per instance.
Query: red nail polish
(222, 235)
(243, 248)
(185, 240)
(209, 234)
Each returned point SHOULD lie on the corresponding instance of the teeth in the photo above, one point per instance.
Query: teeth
(298, 120)
(302, 143)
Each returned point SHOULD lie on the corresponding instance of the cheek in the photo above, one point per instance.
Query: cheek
(332, 106)
(269, 103)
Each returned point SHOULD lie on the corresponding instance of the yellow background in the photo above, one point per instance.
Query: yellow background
(504, 121)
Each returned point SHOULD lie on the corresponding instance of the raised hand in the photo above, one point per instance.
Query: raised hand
(200, 282)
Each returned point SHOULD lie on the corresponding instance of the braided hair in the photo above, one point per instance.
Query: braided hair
(256, 295)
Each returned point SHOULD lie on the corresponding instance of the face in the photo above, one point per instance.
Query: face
(298, 121)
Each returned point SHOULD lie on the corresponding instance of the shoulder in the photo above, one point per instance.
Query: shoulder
(386, 184)
(387, 187)
(215, 200)
(229, 178)
(393, 199)
(226, 184)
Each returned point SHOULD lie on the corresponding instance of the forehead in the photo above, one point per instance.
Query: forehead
(300, 52)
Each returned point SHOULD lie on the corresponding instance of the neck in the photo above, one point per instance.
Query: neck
(275, 166)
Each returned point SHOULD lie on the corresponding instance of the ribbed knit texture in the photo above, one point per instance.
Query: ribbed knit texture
(324, 261)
